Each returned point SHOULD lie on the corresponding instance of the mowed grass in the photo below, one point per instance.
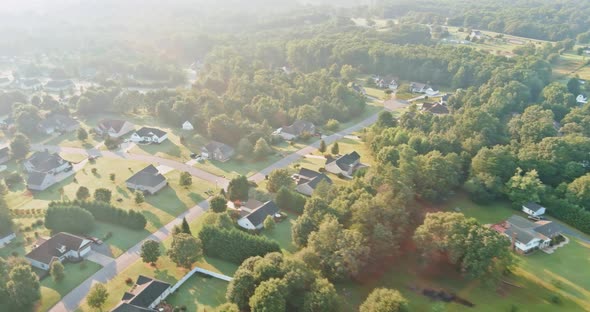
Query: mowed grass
(282, 233)
(70, 139)
(52, 291)
(198, 293)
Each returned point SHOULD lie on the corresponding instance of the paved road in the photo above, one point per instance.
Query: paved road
(201, 174)
(74, 298)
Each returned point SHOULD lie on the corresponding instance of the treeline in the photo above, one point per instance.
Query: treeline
(234, 245)
(105, 212)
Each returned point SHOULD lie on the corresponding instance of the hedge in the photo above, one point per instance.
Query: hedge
(108, 213)
(234, 245)
(569, 213)
(69, 219)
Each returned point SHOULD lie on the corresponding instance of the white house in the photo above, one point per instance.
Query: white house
(6, 238)
(217, 151)
(527, 236)
(45, 162)
(149, 179)
(145, 295)
(255, 219)
(345, 165)
(417, 87)
(533, 209)
(581, 99)
(59, 247)
(149, 135)
(187, 126)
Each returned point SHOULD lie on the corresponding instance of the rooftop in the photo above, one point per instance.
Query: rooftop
(49, 249)
(148, 176)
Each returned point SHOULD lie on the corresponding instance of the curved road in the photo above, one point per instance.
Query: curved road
(72, 300)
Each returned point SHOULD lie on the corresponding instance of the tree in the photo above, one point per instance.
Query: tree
(335, 149)
(139, 197)
(150, 251)
(218, 204)
(573, 86)
(348, 73)
(261, 148)
(228, 307)
(385, 120)
(269, 296)
(185, 250)
(23, 286)
(57, 271)
(524, 187)
(269, 223)
(83, 193)
(20, 146)
(185, 179)
(82, 134)
(97, 296)
(238, 189)
(277, 179)
(112, 177)
(71, 219)
(578, 191)
(185, 227)
(102, 194)
(384, 300)
(322, 147)
(245, 147)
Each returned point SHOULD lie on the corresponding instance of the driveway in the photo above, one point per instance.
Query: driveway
(99, 258)
(394, 104)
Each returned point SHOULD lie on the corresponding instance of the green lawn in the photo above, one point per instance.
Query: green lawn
(51, 291)
(200, 294)
(282, 233)
(70, 139)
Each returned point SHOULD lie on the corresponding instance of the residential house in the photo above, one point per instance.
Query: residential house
(217, 151)
(307, 181)
(39, 181)
(4, 154)
(45, 162)
(149, 180)
(149, 135)
(297, 129)
(29, 84)
(344, 165)
(187, 126)
(417, 87)
(144, 296)
(581, 99)
(60, 247)
(358, 88)
(58, 123)
(527, 236)
(533, 209)
(5, 82)
(59, 85)
(6, 236)
(435, 108)
(114, 128)
(255, 219)
(476, 34)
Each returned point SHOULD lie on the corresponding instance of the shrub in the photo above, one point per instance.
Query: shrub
(234, 245)
(332, 125)
(12, 179)
(555, 299)
(105, 212)
(70, 219)
(128, 281)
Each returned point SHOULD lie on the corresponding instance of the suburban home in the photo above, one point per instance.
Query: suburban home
(114, 128)
(476, 34)
(45, 162)
(527, 236)
(217, 151)
(581, 99)
(5, 82)
(345, 165)
(59, 85)
(533, 209)
(245, 208)
(149, 180)
(4, 154)
(307, 181)
(144, 296)
(435, 108)
(149, 135)
(6, 236)
(187, 126)
(60, 247)
(255, 219)
(29, 84)
(417, 87)
(295, 130)
(358, 89)
(58, 123)
(39, 181)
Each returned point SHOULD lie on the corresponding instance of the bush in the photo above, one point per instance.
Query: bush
(12, 179)
(128, 281)
(332, 125)
(234, 245)
(105, 212)
(69, 219)
(555, 299)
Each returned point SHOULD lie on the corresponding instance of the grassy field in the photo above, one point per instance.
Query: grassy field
(282, 233)
(52, 291)
(70, 139)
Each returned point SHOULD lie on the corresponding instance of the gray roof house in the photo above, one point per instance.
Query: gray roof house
(45, 162)
(114, 127)
(39, 181)
(59, 247)
(526, 235)
(149, 180)
(58, 123)
(307, 181)
(295, 130)
(346, 164)
(435, 108)
(255, 219)
(149, 135)
(144, 296)
(217, 151)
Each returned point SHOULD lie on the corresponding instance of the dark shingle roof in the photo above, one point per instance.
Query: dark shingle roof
(307, 174)
(36, 178)
(345, 161)
(315, 181)
(259, 214)
(533, 206)
(299, 127)
(148, 176)
(147, 291)
(147, 131)
(312, 178)
(4, 151)
(224, 148)
(45, 161)
(45, 252)
(550, 229)
(126, 307)
(116, 124)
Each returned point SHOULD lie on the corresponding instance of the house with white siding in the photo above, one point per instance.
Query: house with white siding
(144, 296)
(60, 247)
